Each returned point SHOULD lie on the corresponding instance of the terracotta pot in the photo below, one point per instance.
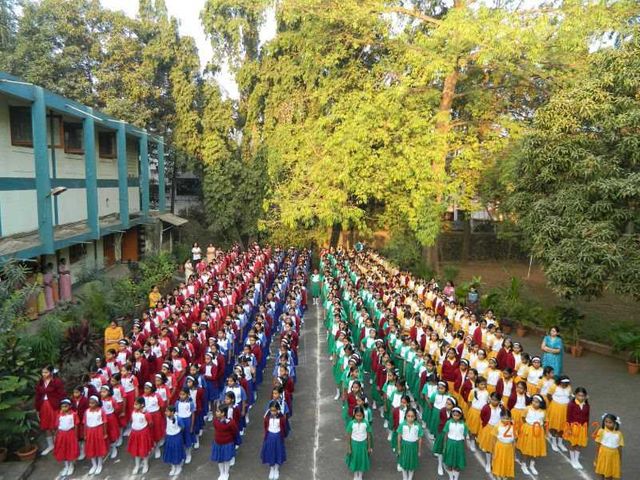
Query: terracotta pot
(633, 368)
(27, 453)
(576, 350)
(3, 454)
(521, 331)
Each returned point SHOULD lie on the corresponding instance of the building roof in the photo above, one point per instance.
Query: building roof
(173, 219)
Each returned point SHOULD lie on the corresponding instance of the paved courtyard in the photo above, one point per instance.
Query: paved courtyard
(316, 446)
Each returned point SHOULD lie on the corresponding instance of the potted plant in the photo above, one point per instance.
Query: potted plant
(629, 341)
(570, 322)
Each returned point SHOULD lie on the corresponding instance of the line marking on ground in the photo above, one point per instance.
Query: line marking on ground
(581, 472)
(316, 442)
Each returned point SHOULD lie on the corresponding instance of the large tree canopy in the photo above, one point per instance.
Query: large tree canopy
(372, 113)
(576, 185)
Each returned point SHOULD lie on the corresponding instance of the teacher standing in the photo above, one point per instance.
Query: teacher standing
(553, 350)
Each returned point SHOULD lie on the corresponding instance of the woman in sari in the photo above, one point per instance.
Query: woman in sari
(112, 335)
(65, 281)
(553, 350)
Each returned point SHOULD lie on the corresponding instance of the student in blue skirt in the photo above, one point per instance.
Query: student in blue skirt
(174, 451)
(186, 412)
(275, 430)
(223, 449)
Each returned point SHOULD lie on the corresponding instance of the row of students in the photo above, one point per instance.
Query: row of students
(188, 418)
(350, 312)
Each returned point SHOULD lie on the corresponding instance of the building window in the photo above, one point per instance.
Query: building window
(54, 121)
(21, 127)
(107, 144)
(77, 252)
(73, 141)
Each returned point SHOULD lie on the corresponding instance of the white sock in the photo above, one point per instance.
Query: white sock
(404, 475)
(410, 475)
(221, 468)
(456, 475)
(137, 462)
(94, 463)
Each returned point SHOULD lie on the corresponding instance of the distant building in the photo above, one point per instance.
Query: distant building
(74, 183)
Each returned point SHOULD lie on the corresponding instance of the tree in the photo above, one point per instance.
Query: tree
(576, 182)
(367, 112)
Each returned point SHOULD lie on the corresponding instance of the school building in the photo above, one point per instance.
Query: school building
(74, 183)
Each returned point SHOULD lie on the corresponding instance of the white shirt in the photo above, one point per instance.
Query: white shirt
(534, 417)
(507, 388)
(505, 433)
(274, 425)
(359, 431)
(481, 401)
(495, 416)
(440, 401)
(94, 418)
(184, 409)
(456, 431)
(172, 427)
(561, 396)
(107, 406)
(138, 421)
(127, 383)
(410, 432)
(65, 422)
(151, 403)
(610, 439)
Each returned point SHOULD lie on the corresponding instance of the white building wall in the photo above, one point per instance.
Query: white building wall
(14, 161)
(19, 211)
(134, 199)
(72, 206)
(108, 201)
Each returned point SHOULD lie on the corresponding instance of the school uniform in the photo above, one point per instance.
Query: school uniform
(454, 455)
(490, 417)
(47, 402)
(576, 432)
(557, 410)
(411, 435)
(477, 400)
(95, 443)
(140, 440)
(532, 441)
(153, 406)
(224, 444)
(608, 459)
(504, 452)
(113, 425)
(174, 451)
(358, 460)
(184, 410)
(66, 447)
(273, 449)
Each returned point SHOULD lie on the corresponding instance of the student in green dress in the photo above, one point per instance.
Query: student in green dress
(410, 434)
(315, 286)
(359, 446)
(438, 445)
(455, 431)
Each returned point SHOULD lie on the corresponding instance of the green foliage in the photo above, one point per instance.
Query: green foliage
(17, 419)
(576, 182)
(628, 340)
(14, 293)
(450, 273)
(46, 341)
(568, 318)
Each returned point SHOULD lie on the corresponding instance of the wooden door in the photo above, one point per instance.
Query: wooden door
(109, 250)
(130, 245)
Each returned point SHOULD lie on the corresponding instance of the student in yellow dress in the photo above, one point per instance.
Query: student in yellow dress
(576, 432)
(478, 398)
(504, 450)
(531, 440)
(490, 416)
(609, 443)
(492, 374)
(534, 375)
(559, 396)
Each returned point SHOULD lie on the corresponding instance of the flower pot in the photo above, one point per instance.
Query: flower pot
(27, 453)
(521, 330)
(633, 368)
(3, 454)
(576, 350)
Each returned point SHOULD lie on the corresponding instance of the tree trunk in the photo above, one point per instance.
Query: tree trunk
(335, 234)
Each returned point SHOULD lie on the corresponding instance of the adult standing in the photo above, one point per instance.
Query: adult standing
(49, 393)
(196, 253)
(211, 253)
(112, 335)
(188, 270)
(553, 350)
(65, 281)
(48, 288)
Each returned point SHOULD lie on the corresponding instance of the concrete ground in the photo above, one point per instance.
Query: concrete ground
(317, 445)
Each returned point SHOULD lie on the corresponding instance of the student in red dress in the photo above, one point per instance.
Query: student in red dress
(154, 406)
(96, 443)
(140, 440)
(79, 404)
(109, 406)
(49, 392)
(131, 392)
(66, 448)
